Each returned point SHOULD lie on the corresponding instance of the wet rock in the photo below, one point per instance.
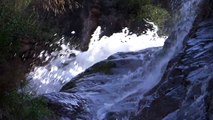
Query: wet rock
(116, 65)
(94, 87)
(183, 93)
(67, 105)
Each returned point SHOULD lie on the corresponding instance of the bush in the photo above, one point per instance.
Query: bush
(18, 106)
(154, 14)
(145, 10)
(15, 24)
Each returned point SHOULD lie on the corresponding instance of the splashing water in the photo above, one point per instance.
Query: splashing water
(124, 92)
(63, 67)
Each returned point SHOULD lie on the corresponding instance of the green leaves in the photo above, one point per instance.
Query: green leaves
(16, 24)
(153, 13)
(145, 10)
(18, 106)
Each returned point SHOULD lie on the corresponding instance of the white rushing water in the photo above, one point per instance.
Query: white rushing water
(63, 67)
(123, 93)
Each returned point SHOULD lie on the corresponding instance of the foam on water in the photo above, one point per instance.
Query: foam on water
(63, 67)
(124, 92)
(142, 83)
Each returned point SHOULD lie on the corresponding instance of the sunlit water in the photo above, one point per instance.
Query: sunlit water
(63, 67)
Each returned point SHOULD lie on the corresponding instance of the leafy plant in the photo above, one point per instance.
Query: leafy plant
(153, 13)
(146, 10)
(19, 106)
(15, 25)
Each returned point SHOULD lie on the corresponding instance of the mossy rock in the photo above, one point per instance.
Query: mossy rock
(102, 67)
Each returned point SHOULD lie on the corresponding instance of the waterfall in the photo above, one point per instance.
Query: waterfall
(67, 63)
(186, 16)
(122, 94)
(145, 80)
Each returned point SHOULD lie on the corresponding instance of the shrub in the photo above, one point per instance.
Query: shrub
(15, 24)
(153, 13)
(146, 10)
(18, 106)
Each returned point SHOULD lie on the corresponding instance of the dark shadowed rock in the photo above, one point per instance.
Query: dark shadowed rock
(184, 92)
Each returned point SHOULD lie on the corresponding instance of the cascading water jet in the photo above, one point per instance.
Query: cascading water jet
(62, 67)
(115, 95)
